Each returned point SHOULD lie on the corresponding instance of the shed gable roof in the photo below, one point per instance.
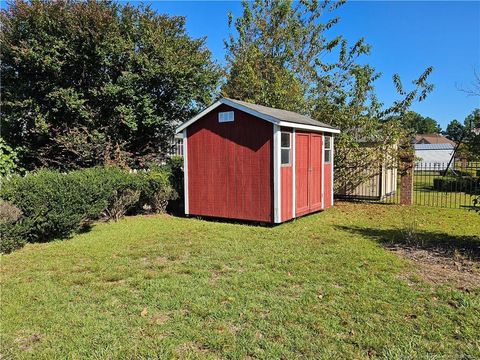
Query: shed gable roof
(276, 116)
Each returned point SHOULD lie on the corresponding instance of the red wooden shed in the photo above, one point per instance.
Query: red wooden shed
(252, 162)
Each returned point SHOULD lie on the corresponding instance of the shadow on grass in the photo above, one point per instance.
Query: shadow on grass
(449, 245)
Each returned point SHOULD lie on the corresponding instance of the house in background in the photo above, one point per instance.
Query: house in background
(177, 145)
(251, 162)
(432, 139)
(433, 157)
(433, 152)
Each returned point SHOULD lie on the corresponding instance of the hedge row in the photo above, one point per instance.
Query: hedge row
(54, 204)
(469, 185)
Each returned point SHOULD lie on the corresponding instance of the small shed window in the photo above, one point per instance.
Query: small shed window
(328, 149)
(225, 116)
(286, 148)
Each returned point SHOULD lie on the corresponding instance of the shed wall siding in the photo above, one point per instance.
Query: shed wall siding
(230, 167)
(287, 197)
(327, 197)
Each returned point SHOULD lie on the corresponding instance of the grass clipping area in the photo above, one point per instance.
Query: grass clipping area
(323, 286)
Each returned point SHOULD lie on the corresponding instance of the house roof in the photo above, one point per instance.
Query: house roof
(432, 139)
(276, 116)
(434, 147)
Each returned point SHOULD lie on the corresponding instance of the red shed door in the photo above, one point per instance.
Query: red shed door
(315, 188)
(308, 173)
(302, 166)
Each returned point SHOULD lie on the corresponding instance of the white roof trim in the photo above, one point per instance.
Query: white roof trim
(198, 116)
(260, 115)
(308, 127)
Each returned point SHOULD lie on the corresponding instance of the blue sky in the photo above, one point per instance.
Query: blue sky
(407, 37)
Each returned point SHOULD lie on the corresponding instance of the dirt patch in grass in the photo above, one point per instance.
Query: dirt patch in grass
(440, 267)
(27, 342)
(159, 318)
(194, 349)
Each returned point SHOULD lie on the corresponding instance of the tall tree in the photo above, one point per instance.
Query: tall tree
(454, 130)
(282, 56)
(89, 82)
(472, 135)
(419, 124)
(276, 54)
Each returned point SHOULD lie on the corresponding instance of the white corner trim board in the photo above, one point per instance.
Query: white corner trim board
(294, 190)
(277, 199)
(323, 171)
(260, 115)
(185, 171)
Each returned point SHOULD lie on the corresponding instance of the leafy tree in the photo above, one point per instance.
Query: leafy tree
(8, 159)
(465, 136)
(454, 130)
(419, 124)
(273, 58)
(471, 138)
(414, 123)
(471, 123)
(279, 59)
(93, 82)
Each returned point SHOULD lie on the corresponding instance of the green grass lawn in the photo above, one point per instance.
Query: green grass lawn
(322, 286)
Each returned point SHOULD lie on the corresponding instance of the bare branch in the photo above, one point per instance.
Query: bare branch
(474, 88)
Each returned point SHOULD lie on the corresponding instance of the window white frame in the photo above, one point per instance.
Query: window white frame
(226, 116)
(289, 148)
(327, 148)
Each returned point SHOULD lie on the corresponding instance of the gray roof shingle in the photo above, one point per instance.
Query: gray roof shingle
(282, 115)
(434, 147)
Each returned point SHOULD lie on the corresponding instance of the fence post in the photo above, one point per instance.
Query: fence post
(406, 179)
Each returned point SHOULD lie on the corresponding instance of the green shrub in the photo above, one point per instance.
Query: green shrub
(11, 230)
(174, 167)
(55, 204)
(157, 190)
(12, 237)
(9, 213)
(469, 185)
(121, 202)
